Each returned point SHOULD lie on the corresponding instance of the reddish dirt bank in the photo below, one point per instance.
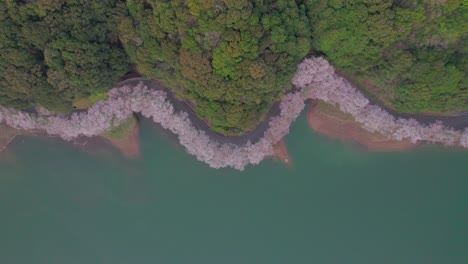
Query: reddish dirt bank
(281, 153)
(331, 122)
(128, 145)
(7, 135)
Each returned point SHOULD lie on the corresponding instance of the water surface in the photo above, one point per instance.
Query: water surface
(337, 204)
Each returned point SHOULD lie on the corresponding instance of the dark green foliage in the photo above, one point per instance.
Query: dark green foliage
(416, 50)
(231, 58)
(53, 51)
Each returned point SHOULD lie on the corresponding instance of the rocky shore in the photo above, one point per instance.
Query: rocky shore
(315, 79)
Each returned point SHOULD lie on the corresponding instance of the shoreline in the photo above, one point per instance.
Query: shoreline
(182, 106)
(457, 119)
(7, 135)
(281, 154)
(5, 145)
(315, 79)
(329, 121)
(128, 143)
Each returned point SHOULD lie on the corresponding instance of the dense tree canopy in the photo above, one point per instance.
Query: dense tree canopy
(53, 51)
(231, 58)
(414, 52)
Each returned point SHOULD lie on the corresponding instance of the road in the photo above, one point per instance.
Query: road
(458, 122)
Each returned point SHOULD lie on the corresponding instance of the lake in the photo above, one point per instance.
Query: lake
(336, 204)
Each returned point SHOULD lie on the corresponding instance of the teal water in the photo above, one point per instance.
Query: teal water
(337, 204)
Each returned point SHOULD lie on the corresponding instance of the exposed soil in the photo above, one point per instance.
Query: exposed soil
(128, 145)
(253, 136)
(329, 121)
(281, 153)
(325, 121)
(7, 134)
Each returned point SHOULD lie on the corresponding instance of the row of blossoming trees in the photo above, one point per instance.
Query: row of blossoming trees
(315, 79)
(318, 80)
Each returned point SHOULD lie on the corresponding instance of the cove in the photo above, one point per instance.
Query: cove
(337, 204)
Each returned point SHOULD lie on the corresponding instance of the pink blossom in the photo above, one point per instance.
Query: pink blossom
(315, 79)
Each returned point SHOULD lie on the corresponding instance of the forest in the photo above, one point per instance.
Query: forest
(232, 59)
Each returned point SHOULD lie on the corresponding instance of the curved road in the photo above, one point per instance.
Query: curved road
(458, 122)
(179, 106)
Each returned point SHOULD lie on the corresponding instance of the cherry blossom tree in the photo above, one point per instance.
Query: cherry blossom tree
(315, 79)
